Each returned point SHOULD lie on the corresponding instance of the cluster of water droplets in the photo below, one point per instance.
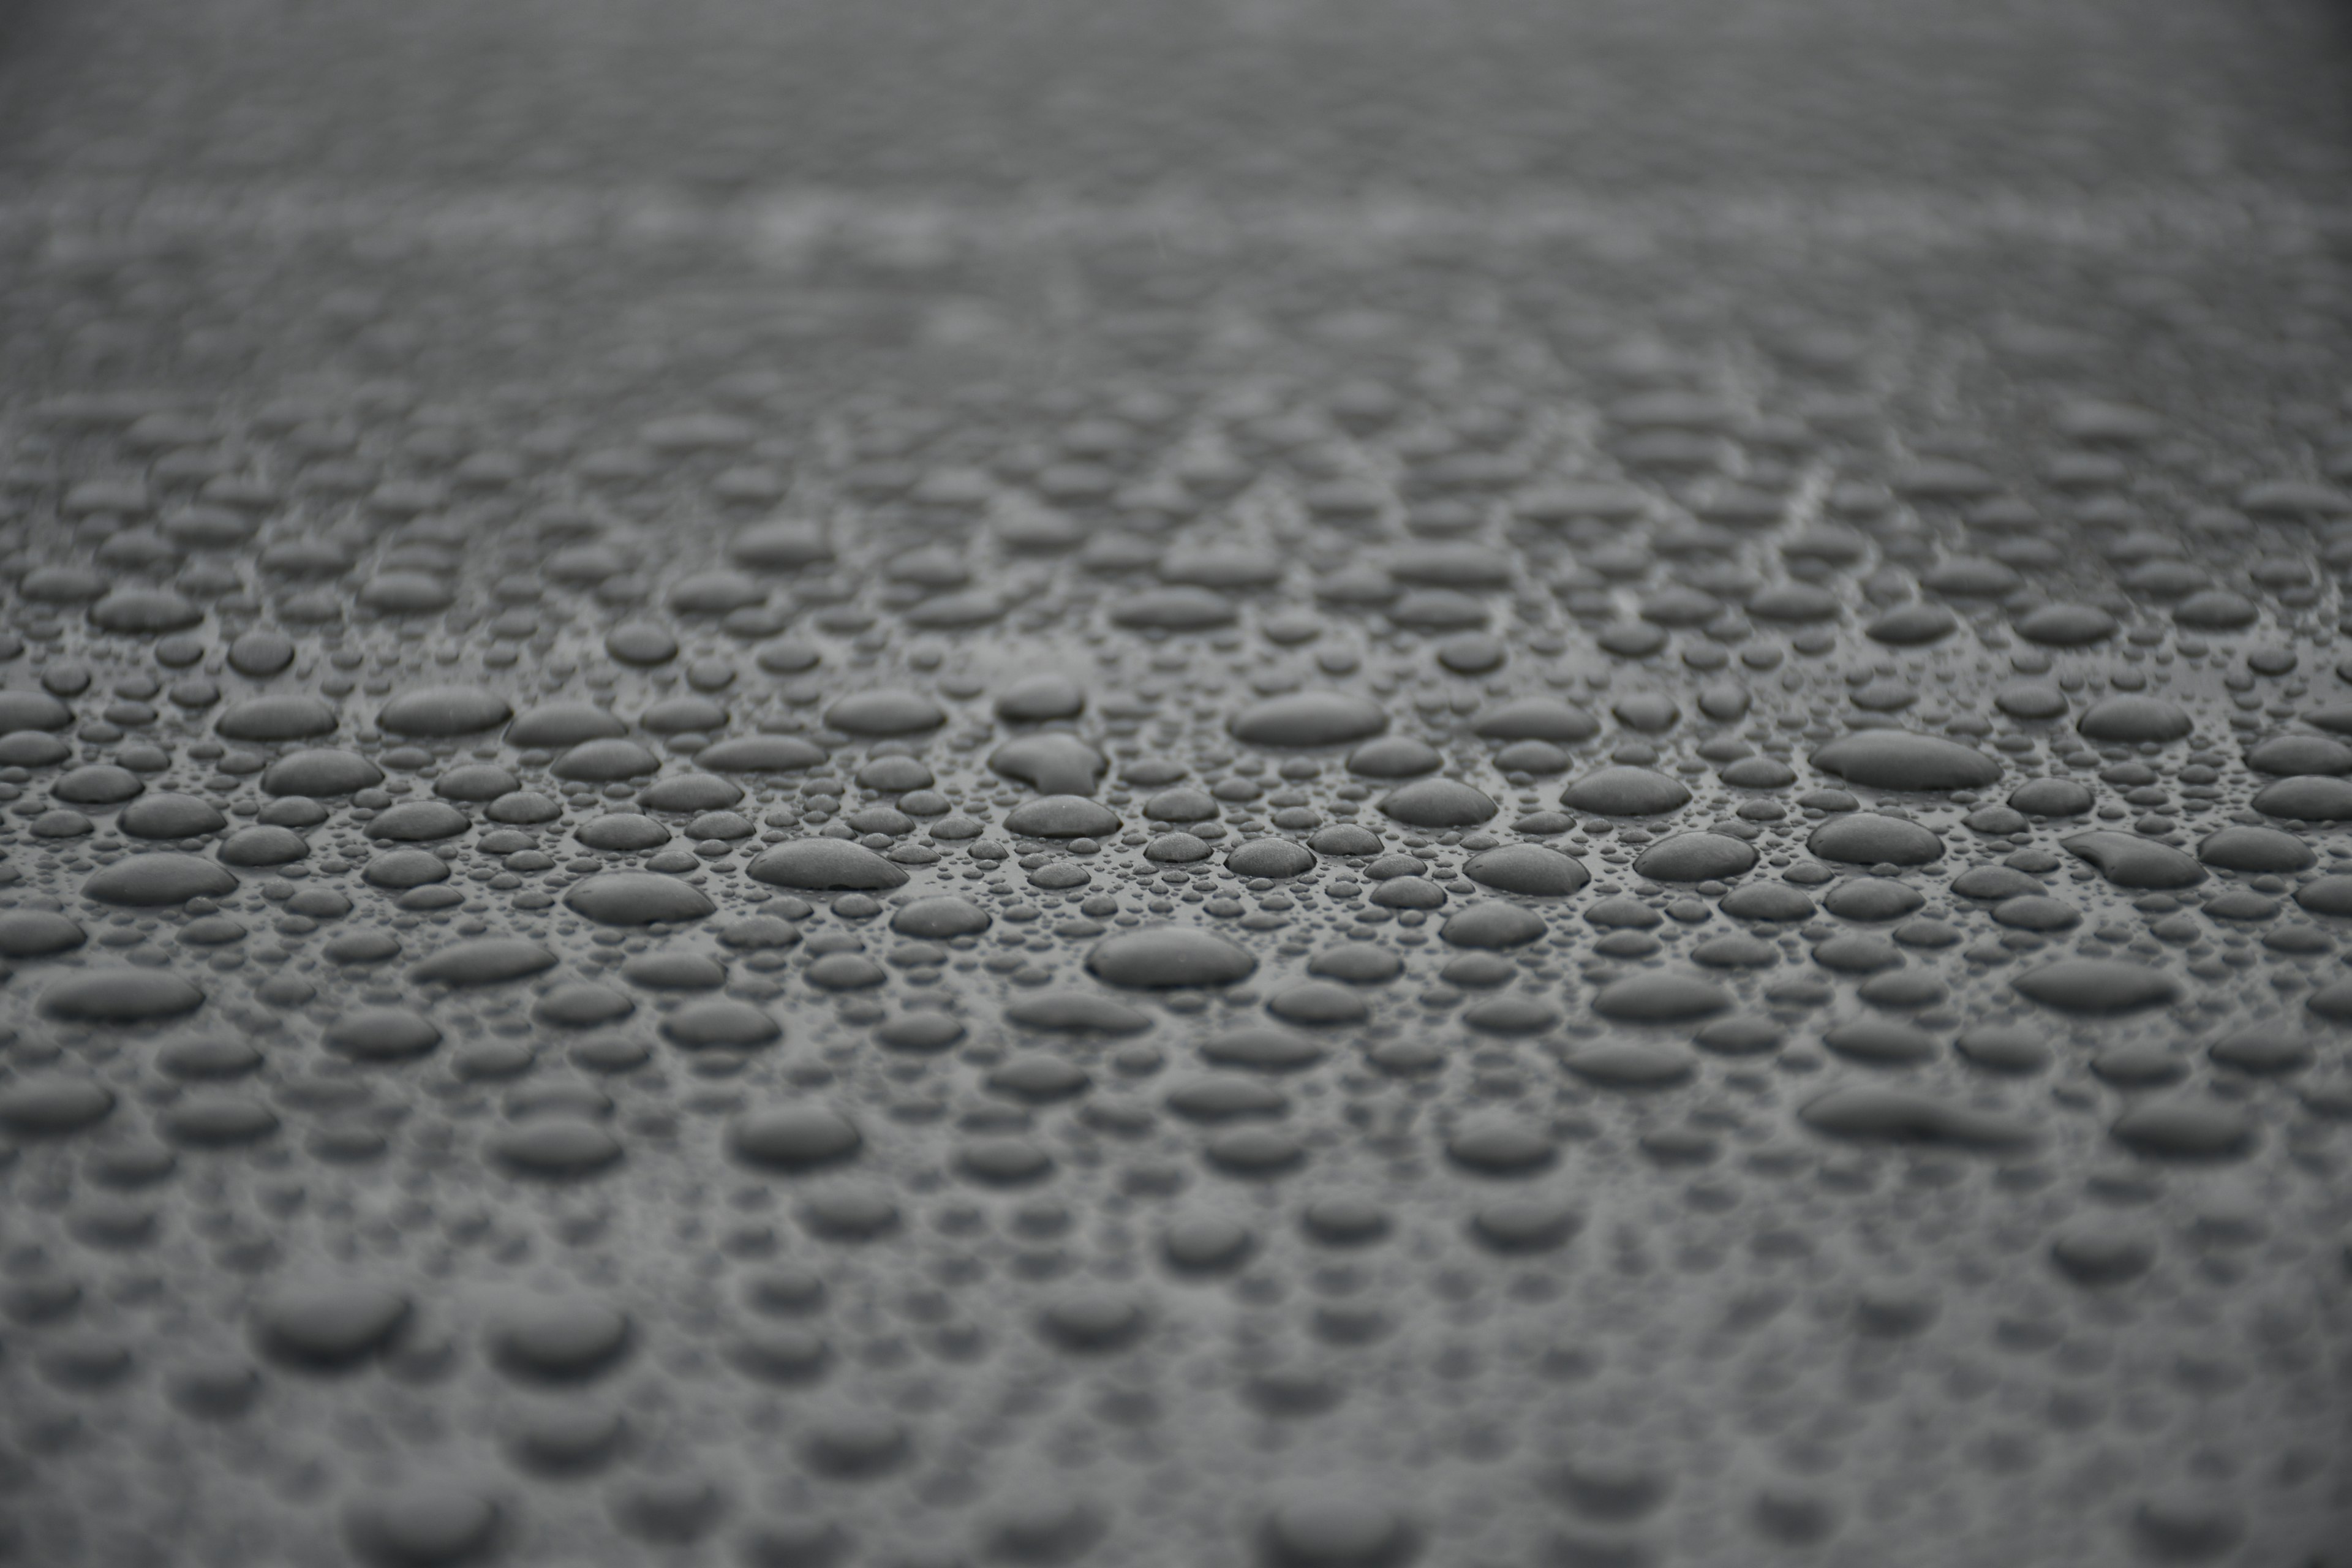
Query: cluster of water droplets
(1352, 977)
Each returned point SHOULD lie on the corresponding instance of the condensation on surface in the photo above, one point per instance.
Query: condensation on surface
(713, 864)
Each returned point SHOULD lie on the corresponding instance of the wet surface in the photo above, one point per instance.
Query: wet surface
(1041, 785)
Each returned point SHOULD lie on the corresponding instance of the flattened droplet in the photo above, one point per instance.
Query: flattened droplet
(320, 774)
(1879, 1113)
(1492, 925)
(559, 1339)
(1696, 858)
(1498, 1146)
(2132, 718)
(1395, 757)
(1913, 625)
(1062, 817)
(1271, 858)
(1046, 1529)
(2263, 1051)
(1901, 760)
(1076, 1012)
(555, 1148)
(819, 864)
(121, 996)
(1880, 1042)
(1206, 1243)
(637, 898)
(51, 1105)
(783, 544)
(2099, 1254)
(287, 716)
(1317, 1002)
(327, 1323)
(1337, 1528)
(560, 724)
(158, 880)
(423, 1525)
(1534, 719)
(99, 783)
(1439, 803)
(441, 711)
(1053, 763)
(920, 1029)
(420, 822)
(1167, 956)
(1345, 838)
(1867, 839)
(2003, 1049)
(217, 1121)
(2130, 862)
(2066, 626)
(605, 761)
(1526, 1224)
(939, 918)
(760, 754)
(485, 960)
(1529, 869)
(1262, 1049)
(886, 713)
(720, 1022)
(2292, 755)
(1038, 699)
(144, 611)
(1003, 1162)
(405, 869)
(2245, 849)
(580, 1006)
(2097, 986)
(2216, 609)
(1176, 609)
(1630, 1064)
(171, 815)
(1869, 898)
(382, 1034)
(1625, 791)
(37, 933)
(1093, 1322)
(1310, 719)
(2310, 798)
(2184, 1129)
(1660, 997)
(264, 846)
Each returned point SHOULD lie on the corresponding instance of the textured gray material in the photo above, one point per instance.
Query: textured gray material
(1285, 784)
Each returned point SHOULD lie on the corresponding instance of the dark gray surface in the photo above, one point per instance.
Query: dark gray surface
(1683, 365)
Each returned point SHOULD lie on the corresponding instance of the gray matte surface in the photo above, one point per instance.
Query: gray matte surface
(1275, 783)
